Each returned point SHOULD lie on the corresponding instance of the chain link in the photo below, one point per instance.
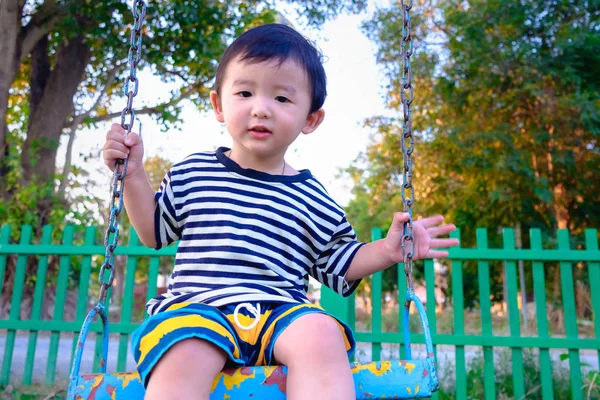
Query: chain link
(407, 143)
(118, 182)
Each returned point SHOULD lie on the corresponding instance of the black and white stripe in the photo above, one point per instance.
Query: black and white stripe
(248, 236)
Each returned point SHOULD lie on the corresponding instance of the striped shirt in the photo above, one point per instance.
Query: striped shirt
(248, 236)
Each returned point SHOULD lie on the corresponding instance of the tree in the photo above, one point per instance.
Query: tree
(62, 69)
(506, 114)
(63, 59)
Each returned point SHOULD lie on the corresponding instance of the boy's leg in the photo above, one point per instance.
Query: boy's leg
(186, 371)
(313, 349)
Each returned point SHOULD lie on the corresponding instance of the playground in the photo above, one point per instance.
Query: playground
(491, 118)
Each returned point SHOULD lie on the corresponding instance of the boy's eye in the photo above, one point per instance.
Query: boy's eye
(282, 99)
(245, 93)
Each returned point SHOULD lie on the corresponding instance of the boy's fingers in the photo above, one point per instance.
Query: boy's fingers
(117, 128)
(116, 134)
(437, 254)
(441, 230)
(119, 137)
(401, 217)
(431, 221)
(111, 148)
(132, 139)
(110, 155)
(443, 243)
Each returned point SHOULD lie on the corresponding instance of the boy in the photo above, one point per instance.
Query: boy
(251, 230)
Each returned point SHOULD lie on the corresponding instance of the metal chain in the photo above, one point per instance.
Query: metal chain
(118, 182)
(407, 143)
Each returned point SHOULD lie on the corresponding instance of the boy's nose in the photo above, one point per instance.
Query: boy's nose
(260, 109)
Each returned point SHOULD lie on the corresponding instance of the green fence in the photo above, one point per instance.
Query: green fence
(76, 259)
(543, 342)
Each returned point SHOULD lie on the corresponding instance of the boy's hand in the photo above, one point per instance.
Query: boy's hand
(118, 146)
(425, 233)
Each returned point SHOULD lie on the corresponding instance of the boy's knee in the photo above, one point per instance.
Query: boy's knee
(310, 337)
(323, 328)
(188, 366)
(187, 349)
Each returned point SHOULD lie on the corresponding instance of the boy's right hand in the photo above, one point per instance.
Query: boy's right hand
(118, 146)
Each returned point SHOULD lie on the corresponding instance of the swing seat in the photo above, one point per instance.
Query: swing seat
(375, 380)
(406, 379)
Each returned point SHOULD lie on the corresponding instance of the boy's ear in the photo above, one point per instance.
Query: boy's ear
(215, 100)
(313, 121)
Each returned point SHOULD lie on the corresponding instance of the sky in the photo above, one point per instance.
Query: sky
(354, 93)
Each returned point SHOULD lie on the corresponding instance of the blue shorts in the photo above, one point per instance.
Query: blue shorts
(244, 347)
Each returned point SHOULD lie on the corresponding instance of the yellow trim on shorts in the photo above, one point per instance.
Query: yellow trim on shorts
(268, 334)
(150, 340)
(249, 336)
(177, 306)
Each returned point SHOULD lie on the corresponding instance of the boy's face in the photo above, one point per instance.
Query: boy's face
(265, 106)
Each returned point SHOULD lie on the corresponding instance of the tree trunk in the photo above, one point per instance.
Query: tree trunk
(10, 27)
(559, 206)
(77, 120)
(52, 102)
(39, 73)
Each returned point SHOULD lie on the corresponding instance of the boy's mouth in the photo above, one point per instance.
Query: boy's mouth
(259, 131)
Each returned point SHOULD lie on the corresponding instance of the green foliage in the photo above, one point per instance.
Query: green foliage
(505, 109)
(504, 379)
(592, 385)
(506, 116)
(182, 43)
(35, 392)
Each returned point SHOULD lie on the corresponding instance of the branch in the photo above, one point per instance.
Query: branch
(155, 109)
(428, 43)
(165, 71)
(40, 24)
(75, 124)
(441, 28)
(76, 120)
(431, 7)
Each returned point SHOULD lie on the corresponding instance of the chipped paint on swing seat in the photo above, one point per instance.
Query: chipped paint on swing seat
(400, 379)
(233, 377)
(375, 380)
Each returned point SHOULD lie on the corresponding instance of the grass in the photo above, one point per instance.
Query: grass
(32, 393)
(504, 380)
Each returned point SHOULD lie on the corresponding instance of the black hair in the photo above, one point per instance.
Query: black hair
(278, 42)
